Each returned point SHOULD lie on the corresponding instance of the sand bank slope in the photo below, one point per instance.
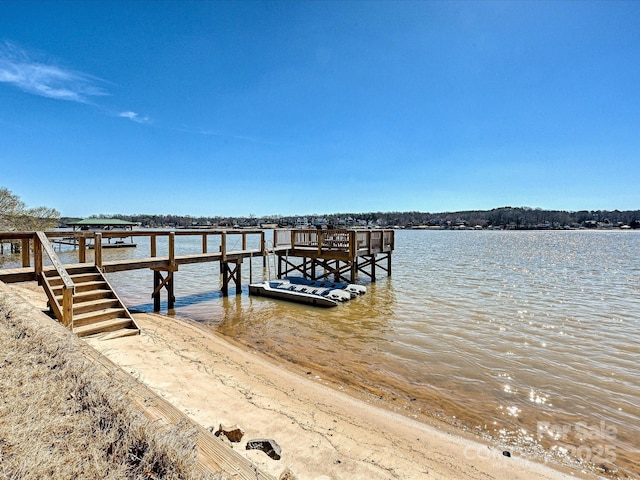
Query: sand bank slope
(62, 415)
(323, 433)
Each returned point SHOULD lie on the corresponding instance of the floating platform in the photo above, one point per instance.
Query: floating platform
(284, 290)
(301, 290)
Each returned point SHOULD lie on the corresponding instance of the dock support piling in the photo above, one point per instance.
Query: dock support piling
(231, 271)
(158, 283)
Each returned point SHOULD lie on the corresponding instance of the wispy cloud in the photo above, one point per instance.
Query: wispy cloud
(134, 117)
(32, 74)
(20, 69)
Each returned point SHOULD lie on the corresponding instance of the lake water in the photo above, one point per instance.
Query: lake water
(531, 339)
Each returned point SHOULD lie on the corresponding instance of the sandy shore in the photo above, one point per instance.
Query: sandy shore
(323, 432)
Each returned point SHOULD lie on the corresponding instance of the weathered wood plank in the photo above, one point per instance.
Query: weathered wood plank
(13, 275)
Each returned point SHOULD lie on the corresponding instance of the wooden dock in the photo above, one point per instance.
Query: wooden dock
(82, 299)
(339, 255)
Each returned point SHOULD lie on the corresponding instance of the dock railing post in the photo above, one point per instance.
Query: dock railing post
(172, 250)
(67, 307)
(223, 264)
(263, 247)
(353, 244)
(26, 252)
(37, 257)
(204, 243)
(82, 249)
(97, 250)
(171, 298)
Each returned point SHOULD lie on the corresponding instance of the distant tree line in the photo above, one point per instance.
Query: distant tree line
(16, 216)
(517, 218)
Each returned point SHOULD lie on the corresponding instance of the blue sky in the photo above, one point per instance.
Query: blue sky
(260, 108)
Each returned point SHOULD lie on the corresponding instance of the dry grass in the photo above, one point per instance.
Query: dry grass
(61, 417)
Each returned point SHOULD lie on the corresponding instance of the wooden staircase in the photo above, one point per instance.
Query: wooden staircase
(95, 307)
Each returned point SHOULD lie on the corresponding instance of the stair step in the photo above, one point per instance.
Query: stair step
(54, 280)
(93, 285)
(94, 305)
(82, 269)
(86, 277)
(109, 325)
(71, 270)
(90, 295)
(97, 316)
(83, 287)
(86, 295)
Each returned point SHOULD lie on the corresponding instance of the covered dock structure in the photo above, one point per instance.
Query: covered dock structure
(104, 225)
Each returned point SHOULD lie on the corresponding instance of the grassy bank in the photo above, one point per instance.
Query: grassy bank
(62, 417)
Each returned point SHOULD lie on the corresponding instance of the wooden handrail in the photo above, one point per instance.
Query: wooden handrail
(68, 287)
(55, 261)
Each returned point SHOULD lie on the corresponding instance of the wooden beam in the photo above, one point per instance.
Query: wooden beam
(229, 274)
(263, 247)
(82, 249)
(157, 279)
(26, 252)
(172, 251)
(97, 250)
(353, 244)
(67, 307)
(171, 298)
(162, 283)
(37, 258)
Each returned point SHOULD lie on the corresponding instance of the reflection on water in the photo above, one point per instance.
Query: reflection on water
(529, 337)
